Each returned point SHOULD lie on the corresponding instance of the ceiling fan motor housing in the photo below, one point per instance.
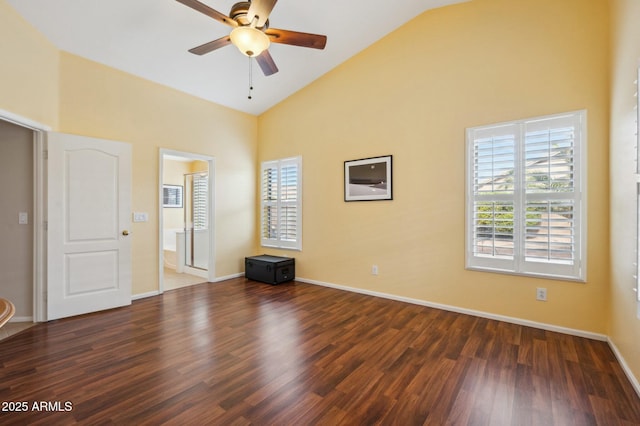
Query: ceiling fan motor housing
(239, 13)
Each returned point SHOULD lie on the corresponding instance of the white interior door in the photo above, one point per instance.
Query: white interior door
(89, 209)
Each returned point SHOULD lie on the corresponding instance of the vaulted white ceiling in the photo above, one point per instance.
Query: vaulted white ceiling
(151, 39)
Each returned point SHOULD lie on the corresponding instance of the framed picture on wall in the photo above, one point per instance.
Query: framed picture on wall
(368, 179)
(172, 196)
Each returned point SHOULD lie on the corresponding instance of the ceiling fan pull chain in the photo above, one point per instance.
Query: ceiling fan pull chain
(250, 77)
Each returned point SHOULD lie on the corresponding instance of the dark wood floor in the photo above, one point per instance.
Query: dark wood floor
(242, 352)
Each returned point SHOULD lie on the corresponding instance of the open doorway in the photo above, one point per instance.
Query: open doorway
(17, 147)
(35, 261)
(186, 219)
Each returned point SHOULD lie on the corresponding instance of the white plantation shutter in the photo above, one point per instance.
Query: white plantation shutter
(493, 186)
(281, 221)
(549, 232)
(493, 230)
(200, 204)
(525, 197)
(269, 202)
(494, 160)
(289, 202)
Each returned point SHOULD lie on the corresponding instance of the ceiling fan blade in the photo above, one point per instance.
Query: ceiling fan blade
(295, 38)
(212, 13)
(211, 46)
(266, 63)
(262, 9)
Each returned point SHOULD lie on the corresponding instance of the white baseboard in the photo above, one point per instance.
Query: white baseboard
(144, 295)
(481, 314)
(156, 292)
(451, 308)
(202, 273)
(21, 319)
(625, 367)
(228, 277)
(518, 321)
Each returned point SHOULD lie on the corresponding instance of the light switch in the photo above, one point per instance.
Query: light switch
(140, 217)
(23, 218)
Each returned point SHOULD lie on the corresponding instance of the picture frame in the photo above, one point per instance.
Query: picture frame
(172, 196)
(368, 179)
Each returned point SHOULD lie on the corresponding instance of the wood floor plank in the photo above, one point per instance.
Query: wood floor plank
(246, 353)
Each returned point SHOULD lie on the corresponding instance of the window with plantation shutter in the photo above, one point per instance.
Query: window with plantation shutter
(281, 203)
(526, 197)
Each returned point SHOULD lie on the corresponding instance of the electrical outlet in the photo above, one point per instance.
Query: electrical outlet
(374, 270)
(541, 294)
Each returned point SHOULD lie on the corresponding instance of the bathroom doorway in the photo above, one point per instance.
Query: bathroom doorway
(186, 219)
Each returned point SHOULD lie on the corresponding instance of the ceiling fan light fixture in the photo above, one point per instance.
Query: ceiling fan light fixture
(250, 41)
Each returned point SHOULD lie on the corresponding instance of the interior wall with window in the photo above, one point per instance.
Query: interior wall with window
(624, 328)
(412, 95)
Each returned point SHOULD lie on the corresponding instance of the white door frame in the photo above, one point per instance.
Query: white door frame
(211, 274)
(39, 203)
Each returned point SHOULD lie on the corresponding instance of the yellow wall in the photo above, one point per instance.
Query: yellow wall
(99, 101)
(624, 328)
(412, 95)
(28, 70)
(198, 166)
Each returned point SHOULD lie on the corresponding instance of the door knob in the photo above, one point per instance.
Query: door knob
(125, 232)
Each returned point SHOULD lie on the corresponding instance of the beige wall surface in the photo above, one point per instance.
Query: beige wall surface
(624, 328)
(28, 70)
(99, 101)
(412, 95)
(16, 252)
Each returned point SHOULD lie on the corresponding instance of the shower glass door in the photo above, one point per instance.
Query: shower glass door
(196, 215)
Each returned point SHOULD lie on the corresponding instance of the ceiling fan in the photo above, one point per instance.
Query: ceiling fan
(251, 33)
